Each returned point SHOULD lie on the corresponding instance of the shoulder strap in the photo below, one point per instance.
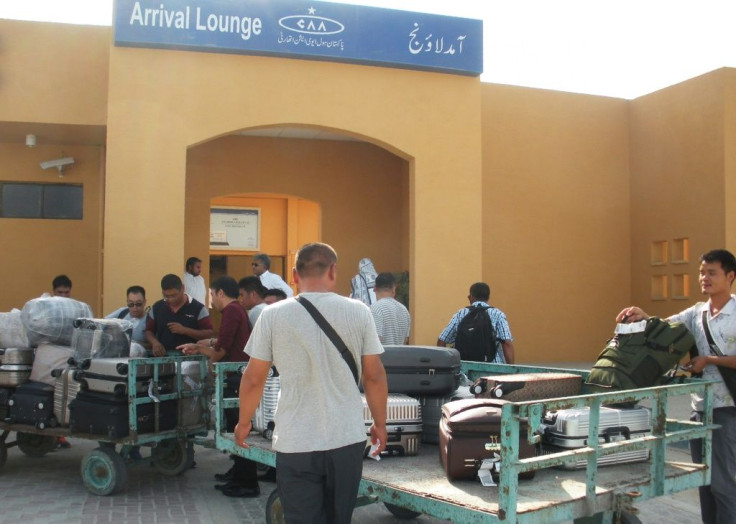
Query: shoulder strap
(331, 334)
(714, 349)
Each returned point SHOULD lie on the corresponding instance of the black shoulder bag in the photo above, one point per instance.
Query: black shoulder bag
(332, 335)
(728, 374)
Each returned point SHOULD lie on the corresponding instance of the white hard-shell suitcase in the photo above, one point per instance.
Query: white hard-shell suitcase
(403, 424)
(568, 429)
(267, 406)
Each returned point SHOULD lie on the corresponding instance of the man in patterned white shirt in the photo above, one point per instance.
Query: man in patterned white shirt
(391, 316)
(718, 315)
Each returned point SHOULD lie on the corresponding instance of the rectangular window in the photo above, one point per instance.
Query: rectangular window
(50, 201)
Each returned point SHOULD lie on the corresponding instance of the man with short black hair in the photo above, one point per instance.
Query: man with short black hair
(250, 296)
(261, 265)
(320, 434)
(176, 319)
(479, 295)
(193, 280)
(135, 312)
(717, 317)
(391, 316)
(271, 296)
(242, 479)
(62, 286)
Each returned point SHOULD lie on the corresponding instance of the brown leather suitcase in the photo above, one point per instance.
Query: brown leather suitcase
(521, 387)
(466, 427)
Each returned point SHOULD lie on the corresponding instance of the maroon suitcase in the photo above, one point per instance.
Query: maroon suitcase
(466, 427)
(521, 387)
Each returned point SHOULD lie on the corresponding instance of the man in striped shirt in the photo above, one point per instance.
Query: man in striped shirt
(391, 317)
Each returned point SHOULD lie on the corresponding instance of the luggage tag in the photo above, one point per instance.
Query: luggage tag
(484, 473)
(628, 329)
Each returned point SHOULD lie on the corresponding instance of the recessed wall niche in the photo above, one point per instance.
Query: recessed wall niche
(680, 251)
(659, 287)
(658, 253)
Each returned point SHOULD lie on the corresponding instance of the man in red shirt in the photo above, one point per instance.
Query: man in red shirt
(242, 479)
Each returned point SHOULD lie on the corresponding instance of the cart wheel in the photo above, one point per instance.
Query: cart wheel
(173, 457)
(401, 513)
(274, 511)
(3, 454)
(103, 471)
(35, 445)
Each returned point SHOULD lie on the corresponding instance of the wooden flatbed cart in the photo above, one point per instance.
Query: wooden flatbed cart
(410, 486)
(104, 469)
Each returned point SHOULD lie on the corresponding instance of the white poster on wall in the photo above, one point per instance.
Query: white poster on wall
(235, 228)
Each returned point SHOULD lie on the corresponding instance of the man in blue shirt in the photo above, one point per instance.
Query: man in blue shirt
(480, 293)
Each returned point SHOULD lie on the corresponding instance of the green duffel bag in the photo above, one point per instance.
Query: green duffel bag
(639, 354)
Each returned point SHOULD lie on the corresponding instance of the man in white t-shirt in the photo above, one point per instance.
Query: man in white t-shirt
(194, 285)
(261, 266)
(320, 434)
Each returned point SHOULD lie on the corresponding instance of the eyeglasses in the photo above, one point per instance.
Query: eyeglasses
(135, 304)
(255, 264)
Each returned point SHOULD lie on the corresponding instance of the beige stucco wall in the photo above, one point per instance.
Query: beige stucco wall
(176, 100)
(555, 218)
(677, 182)
(54, 73)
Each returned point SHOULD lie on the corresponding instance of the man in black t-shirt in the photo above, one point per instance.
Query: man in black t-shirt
(176, 319)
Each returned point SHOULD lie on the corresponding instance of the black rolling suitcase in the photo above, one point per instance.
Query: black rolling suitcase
(421, 370)
(107, 414)
(32, 403)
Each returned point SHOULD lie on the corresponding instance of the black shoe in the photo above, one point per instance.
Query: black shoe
(268, 476)
(225, 477)
(241, 492)
(228, 484)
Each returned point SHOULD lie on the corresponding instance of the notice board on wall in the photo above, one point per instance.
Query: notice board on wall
(235, 228)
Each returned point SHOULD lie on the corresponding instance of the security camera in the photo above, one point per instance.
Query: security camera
(58, 163)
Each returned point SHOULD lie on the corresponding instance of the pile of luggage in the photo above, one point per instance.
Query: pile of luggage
(432, 402)
(69, 369)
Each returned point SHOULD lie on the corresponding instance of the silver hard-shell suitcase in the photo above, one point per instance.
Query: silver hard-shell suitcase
(568, 429)
(267, 406)
(403, 424)
(65, 390)
(110, 375)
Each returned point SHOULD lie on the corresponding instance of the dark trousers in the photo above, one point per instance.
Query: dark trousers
(320, 486)
(718, 501)
(245, 472)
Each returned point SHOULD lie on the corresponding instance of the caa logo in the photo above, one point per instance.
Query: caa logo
(311, 25)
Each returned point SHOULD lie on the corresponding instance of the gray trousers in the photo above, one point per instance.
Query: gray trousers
(320, 486)
(718, 501)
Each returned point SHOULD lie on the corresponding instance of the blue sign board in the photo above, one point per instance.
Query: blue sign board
(299, 29)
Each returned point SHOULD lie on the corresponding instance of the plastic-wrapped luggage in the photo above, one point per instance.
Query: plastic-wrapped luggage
(101, 338)
(51, 319)
(12, 332)
(403, 424)
(48, 358)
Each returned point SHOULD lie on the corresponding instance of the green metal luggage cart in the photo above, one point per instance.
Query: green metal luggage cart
(104, 469)
(410, 486)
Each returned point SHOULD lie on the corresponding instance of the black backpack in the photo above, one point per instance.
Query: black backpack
(475, 339)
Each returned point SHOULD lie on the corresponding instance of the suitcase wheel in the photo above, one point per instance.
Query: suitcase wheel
(40, 425)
